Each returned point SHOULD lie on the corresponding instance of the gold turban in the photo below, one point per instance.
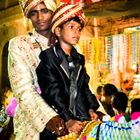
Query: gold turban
(26, 5)
(65, 12)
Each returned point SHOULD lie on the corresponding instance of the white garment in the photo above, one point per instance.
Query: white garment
(101, 108)
(32, 113)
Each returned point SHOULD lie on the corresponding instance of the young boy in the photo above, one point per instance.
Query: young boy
(61, 73)
(120, 103)
(135, 108)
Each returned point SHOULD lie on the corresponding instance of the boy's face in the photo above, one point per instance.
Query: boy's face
(106, 98)
(70, 33)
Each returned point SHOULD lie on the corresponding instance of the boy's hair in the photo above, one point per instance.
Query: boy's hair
(120, 101)
(110, 89)
(76, 19)
(135, 105)
(99, 90)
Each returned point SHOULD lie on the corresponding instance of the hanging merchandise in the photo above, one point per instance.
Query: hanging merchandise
(85, 2)
(134, 48)
(112, 57)
(137, 48)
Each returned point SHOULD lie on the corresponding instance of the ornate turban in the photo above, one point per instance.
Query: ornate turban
(65, 12)
(26, 5)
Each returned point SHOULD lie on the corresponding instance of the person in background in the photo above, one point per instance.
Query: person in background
(99, 92)
(33, 115)
(120, 103)
(61, 73)
(127, 81)
(100, 111)
(7, 95)
(6, 121)
(127, 86)
(108, 91)
(135, 118)
(135, 108)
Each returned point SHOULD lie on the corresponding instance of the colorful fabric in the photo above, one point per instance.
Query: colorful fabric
(122, 118)
(136, 129)
(26, 5)
(11, 107)
(4, 119)
(66, 12)
(111, 130)
(135, 115)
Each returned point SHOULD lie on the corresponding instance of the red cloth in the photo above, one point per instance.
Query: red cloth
(76, 1)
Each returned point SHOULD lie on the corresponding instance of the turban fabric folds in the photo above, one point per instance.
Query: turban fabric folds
(65, 12)
(26, 5)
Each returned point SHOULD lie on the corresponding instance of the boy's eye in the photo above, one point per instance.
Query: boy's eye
(70, 27)
(79, 29)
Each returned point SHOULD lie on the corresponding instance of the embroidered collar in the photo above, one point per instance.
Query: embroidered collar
(39, 40)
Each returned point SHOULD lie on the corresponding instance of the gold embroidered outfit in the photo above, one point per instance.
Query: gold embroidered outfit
(32, 113)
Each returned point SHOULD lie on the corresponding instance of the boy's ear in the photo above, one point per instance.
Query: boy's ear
(57, 31)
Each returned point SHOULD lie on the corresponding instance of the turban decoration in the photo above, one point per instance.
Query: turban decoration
(65, 12)
(26, 5)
